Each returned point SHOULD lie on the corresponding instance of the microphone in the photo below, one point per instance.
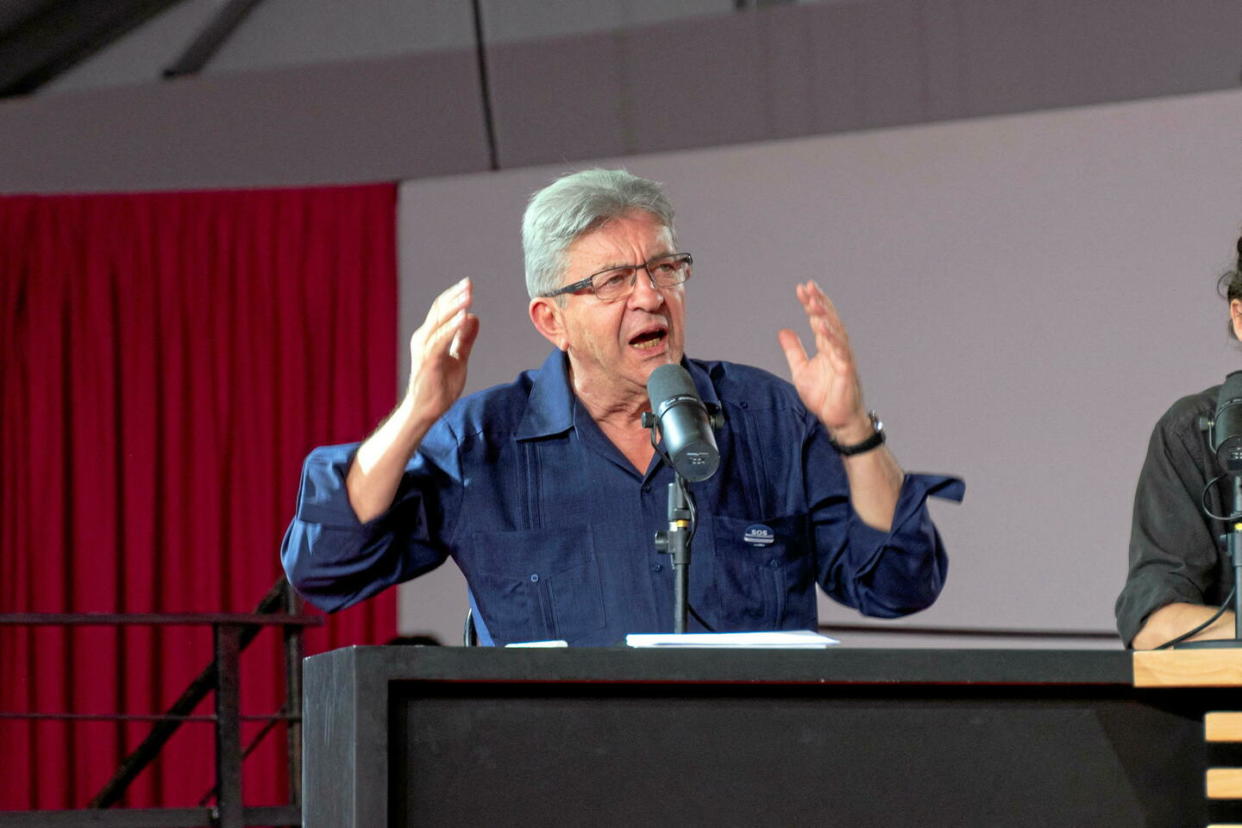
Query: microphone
(1226, 424)
(685, 423)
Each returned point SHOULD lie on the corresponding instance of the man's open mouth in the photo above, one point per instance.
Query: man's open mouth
(649, 339)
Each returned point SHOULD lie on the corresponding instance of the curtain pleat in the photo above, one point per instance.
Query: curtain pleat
(169, 359)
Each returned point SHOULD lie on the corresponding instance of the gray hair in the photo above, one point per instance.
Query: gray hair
(576, 204)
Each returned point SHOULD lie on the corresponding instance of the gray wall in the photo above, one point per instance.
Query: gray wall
(1026, 295)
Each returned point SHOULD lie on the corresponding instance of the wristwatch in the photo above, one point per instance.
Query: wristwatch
(874, 441)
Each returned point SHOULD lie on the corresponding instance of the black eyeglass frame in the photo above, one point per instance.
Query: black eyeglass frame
(589, 282)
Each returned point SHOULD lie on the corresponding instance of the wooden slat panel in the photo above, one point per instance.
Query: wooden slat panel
(1224, 783)
(1188, 668)
(1222, 727)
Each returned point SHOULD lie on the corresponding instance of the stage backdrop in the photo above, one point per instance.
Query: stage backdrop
(169, 359)
(1026, 295)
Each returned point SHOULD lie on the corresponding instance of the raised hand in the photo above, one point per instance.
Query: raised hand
(439, 352)
(827, 382)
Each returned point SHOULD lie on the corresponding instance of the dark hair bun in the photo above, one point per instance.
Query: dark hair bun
(1239, 252)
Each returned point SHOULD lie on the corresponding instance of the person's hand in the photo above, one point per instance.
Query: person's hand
(439, 351)
(827, 382)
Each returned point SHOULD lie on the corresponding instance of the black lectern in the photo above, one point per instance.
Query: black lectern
(398, 736)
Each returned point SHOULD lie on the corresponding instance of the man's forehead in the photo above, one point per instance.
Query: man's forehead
(618, 236)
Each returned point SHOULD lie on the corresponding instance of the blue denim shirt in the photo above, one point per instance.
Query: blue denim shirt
(553, 528)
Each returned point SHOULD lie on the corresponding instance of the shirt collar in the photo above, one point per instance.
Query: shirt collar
(702, 381)
(550, 406)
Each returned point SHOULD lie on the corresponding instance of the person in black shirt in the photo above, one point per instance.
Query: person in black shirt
(1179, 571)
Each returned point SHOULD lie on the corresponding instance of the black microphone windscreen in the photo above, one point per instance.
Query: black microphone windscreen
(684, 423)
(667, 383)
(1227, 423)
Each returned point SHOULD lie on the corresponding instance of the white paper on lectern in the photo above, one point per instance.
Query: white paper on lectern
(791, 639)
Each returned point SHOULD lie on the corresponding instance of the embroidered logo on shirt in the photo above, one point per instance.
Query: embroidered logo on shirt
(759, 535)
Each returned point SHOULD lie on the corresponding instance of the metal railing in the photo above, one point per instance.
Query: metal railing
(231, 633)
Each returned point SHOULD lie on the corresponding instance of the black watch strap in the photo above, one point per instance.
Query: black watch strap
(874, 441)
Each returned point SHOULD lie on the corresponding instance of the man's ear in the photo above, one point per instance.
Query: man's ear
(545, 315)
(1235, 316)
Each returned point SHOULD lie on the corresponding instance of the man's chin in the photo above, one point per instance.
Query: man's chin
(651, 362)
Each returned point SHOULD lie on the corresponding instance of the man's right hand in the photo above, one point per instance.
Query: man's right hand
(439, 351)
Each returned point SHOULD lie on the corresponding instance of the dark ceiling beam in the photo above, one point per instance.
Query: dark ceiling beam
(60, 35)
(211, 38)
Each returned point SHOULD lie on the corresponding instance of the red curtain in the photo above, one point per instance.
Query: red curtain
(168, 360)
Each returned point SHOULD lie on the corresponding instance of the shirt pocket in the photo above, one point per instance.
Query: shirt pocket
(756, 565)
(535, 585)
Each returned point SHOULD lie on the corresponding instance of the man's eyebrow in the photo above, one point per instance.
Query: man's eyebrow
(652, 258)
(614, 266)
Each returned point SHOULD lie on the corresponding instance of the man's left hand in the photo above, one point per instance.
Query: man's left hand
(827, 381)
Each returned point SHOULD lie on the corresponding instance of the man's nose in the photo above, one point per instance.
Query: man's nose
(645, 294)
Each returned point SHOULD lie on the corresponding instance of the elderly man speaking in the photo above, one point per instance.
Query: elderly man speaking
(547, 492)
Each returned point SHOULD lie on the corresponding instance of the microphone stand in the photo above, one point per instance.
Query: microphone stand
(676, 543)
(1234, 544)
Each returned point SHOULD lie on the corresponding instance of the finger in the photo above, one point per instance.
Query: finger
(814, 305)
(831, 314)
(827, 338)
(841, 360)
(443, 317)
(831, 338)
(447, 305)
(809, 304)
(463, 340)
(837, 354)
(825, 320)
(791, 344)
(815, 314)
(820, 306)
(439, 340)
(840, 355)
(815, 292)
(800, 290)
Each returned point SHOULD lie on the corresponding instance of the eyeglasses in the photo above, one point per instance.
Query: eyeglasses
(618, 282)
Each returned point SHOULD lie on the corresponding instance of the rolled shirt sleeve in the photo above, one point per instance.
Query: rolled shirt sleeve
(332, 558)
(894, 573)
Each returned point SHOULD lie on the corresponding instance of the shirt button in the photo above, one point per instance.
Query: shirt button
(774, 563)
(657, 567)
(534, 579)
(646, 488)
